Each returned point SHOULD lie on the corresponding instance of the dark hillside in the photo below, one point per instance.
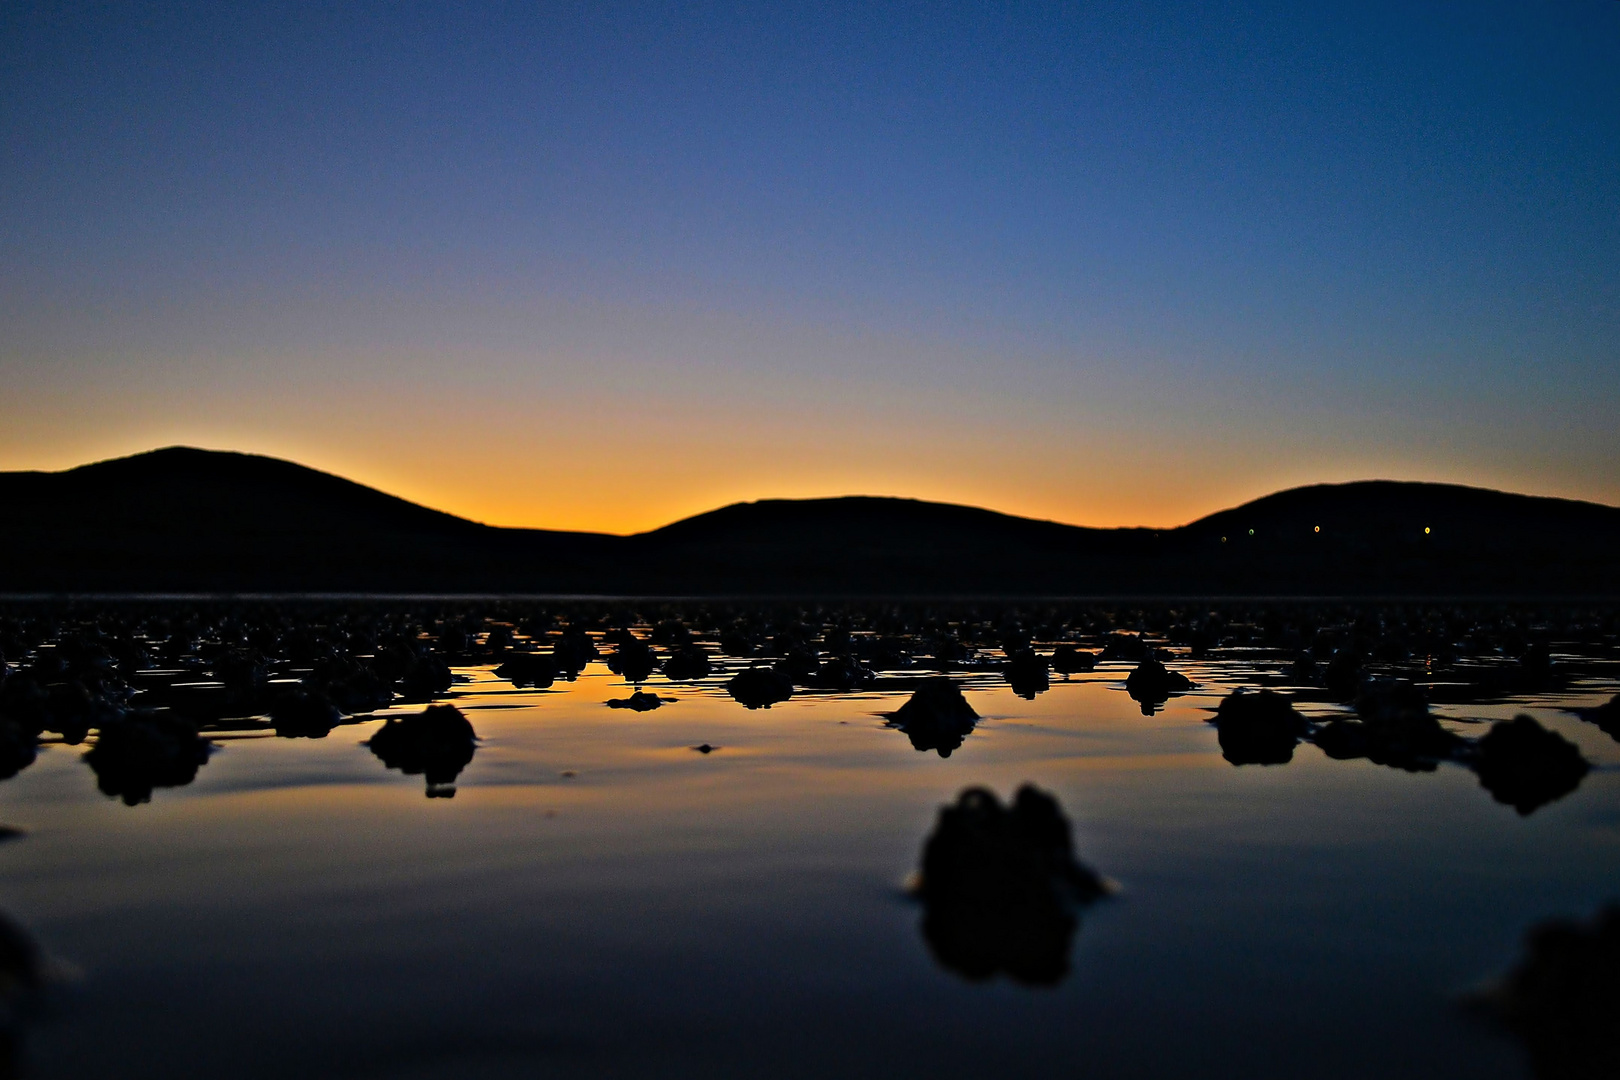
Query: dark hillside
(188, 520)
(1382, 536)
(185, 519)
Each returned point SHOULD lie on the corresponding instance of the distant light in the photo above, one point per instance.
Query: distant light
(1251, 532)
(1319, 528)
(1223, 539)
(1425, 530)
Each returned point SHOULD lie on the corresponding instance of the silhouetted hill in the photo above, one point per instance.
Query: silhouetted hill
(184, 519)
(193, 520)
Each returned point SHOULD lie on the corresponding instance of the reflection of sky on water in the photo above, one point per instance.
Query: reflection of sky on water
(301, 908)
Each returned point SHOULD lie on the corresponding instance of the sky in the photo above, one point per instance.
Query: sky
(601, 267)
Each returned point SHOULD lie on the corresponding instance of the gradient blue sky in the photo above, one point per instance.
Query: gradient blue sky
(600, 267)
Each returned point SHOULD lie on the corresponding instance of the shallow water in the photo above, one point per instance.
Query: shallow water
(600, 899)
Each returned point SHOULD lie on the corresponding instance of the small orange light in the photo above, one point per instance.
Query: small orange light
(1319, 528)
(1425, 530)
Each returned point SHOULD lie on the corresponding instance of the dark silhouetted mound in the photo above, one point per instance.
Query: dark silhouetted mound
(17, 749)
(1258, 729)
(687, 663)
(759, 687)
(640, 701)
(842, 673)
(1001, 887)
(1398, 729)
(1526, 766)
(1605, 716)
(1026, 674)
(936, 716)
(427, 677)
(1342, 740)
(1151, 684)
(537, 670)
(574, 650)
(633, 661)
(138, 753)
(436, 743)
(1564, 996)
(304, 715)
(1067, 660)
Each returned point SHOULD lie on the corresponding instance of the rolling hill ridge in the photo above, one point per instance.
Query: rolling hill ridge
(187, 520)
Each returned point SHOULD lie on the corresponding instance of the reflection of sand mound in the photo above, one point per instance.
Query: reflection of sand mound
(1001, 887)
(1563, 997)
(436, 743)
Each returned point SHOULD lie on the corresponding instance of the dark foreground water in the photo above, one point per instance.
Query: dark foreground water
(601, 899)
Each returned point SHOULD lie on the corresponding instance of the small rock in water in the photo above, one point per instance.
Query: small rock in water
(436, 743)
(1398, 728)
(705, 748)
(1026, 674)
(1001, 887)
(1258, 728)
(842, 673)
(1526, 766)
(640, 701)
(525, 670)
(1151, 684)
(141, 752)
(936, 716)
(304, 715)
(633, 661)
(759, 687)
(686, 664)
(1067, 660)
(1342, 740)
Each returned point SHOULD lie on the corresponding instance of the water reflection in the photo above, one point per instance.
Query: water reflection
(436, 743)
(303, 670)
(1518, 761)
(1001, 887)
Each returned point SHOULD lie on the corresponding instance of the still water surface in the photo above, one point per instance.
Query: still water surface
(600, 899)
